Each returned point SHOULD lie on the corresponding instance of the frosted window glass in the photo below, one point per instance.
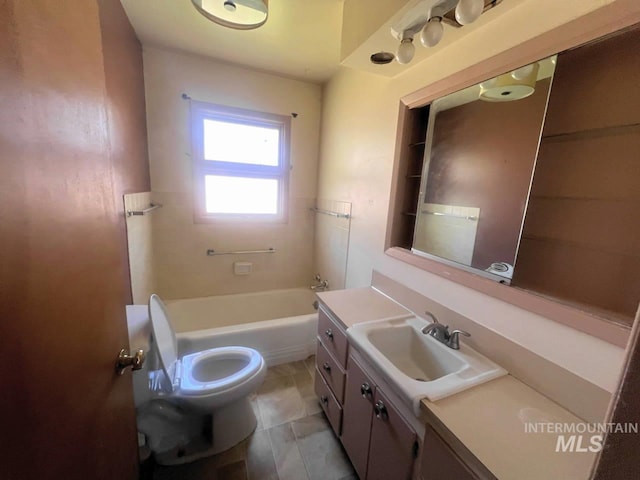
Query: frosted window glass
(240, 195)
(238, 143)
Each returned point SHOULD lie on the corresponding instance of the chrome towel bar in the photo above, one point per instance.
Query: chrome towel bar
(211, 252)
(329, 212)
(151, 208)
(440, 214)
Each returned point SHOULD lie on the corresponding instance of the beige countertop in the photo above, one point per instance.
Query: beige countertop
(357, 305)
(488, 419)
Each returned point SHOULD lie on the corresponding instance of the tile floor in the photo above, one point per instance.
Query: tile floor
(293, 440)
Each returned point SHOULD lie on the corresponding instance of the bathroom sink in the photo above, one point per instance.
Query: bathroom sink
(417, 364)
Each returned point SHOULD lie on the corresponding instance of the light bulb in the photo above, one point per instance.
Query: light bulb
(432, 32)
(406, 51)
(468, 11)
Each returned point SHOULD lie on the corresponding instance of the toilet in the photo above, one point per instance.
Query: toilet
(200, 399)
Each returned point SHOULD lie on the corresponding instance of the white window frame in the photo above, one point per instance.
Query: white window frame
(201, 111)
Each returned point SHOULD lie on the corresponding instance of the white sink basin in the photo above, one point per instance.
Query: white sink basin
(417, 364)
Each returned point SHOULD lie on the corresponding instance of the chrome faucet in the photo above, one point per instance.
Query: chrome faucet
(321, 286)
(441, 333)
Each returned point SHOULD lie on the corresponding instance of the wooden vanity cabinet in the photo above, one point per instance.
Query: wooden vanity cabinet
(358, 415)
(440, 462)
(393, 446)
(380, 443)
(331, 362)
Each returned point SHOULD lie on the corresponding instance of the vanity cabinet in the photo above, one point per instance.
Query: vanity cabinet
(379, 442)
(331, 361)
(440, 462)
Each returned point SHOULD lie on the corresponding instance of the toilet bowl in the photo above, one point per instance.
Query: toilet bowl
(212, 385)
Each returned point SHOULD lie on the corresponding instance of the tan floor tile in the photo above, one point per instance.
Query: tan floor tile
(280, 402)
(233, 471)
(289, 462)
(322, 454)
(260, 462)
(310, 364)
(312, 405)
(286, 369)
(304, 382)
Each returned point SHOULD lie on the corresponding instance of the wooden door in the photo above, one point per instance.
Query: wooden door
(358, 412)
(63, 289)
(392, 447)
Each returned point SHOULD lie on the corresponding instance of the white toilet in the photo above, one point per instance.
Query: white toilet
(211, 386)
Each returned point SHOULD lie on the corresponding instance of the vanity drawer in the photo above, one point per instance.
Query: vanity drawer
(333, 337)
(331, 372)
(329, 404)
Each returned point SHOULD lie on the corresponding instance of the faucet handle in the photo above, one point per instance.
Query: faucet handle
(454, 341)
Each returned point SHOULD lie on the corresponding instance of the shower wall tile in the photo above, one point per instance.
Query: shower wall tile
(140, 245)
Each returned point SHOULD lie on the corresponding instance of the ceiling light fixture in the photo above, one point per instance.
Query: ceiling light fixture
(426, 18)
(406, 50)
(237, 14)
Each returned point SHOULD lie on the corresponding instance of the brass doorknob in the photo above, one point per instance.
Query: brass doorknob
(125, 360)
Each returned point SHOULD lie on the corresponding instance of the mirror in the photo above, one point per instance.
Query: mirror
(546, 197)
(481, 147)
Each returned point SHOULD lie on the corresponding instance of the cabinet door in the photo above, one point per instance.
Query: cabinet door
(393, 444)
(358, 411)
(439, 462)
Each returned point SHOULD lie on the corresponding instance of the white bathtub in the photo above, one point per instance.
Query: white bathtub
(280, 324)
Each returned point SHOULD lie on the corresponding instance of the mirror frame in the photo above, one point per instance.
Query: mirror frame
(604, 21)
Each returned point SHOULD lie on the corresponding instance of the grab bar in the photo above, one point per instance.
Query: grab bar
(211, 252)
(329, 212)
(151, 208)
(439, 214)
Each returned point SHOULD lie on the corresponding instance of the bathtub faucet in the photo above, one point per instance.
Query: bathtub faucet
(321, 286)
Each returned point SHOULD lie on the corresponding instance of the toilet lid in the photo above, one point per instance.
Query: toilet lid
(164, 337)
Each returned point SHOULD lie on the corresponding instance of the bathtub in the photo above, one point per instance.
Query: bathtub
(280, 324)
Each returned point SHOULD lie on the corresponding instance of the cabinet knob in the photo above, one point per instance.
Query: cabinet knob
(324, 399)
(327, 367)
(329, 333)
(365, 391)
(380, 410)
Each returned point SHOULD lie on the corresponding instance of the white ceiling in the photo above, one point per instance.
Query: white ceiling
(301, 38)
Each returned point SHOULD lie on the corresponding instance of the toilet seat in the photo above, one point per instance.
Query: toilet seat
(189, 385)
(179, 373)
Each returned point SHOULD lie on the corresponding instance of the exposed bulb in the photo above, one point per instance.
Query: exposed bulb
(468, 11)
(432, 32)
(406, 51)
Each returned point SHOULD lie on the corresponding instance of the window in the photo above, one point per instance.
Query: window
(241, 163)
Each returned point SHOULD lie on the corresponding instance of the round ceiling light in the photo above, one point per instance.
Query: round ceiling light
(238, 14)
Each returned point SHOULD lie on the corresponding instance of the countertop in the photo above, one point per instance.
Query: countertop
(488, 419)
(357, 305)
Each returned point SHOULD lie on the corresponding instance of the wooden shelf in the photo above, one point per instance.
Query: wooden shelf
(413, 176)
(577, 244)
(418, 144)
(584, 199)
(410, 214)
(594, 132)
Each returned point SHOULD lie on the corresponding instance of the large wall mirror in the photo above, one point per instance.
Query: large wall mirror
(481, 147)
(532, 178)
